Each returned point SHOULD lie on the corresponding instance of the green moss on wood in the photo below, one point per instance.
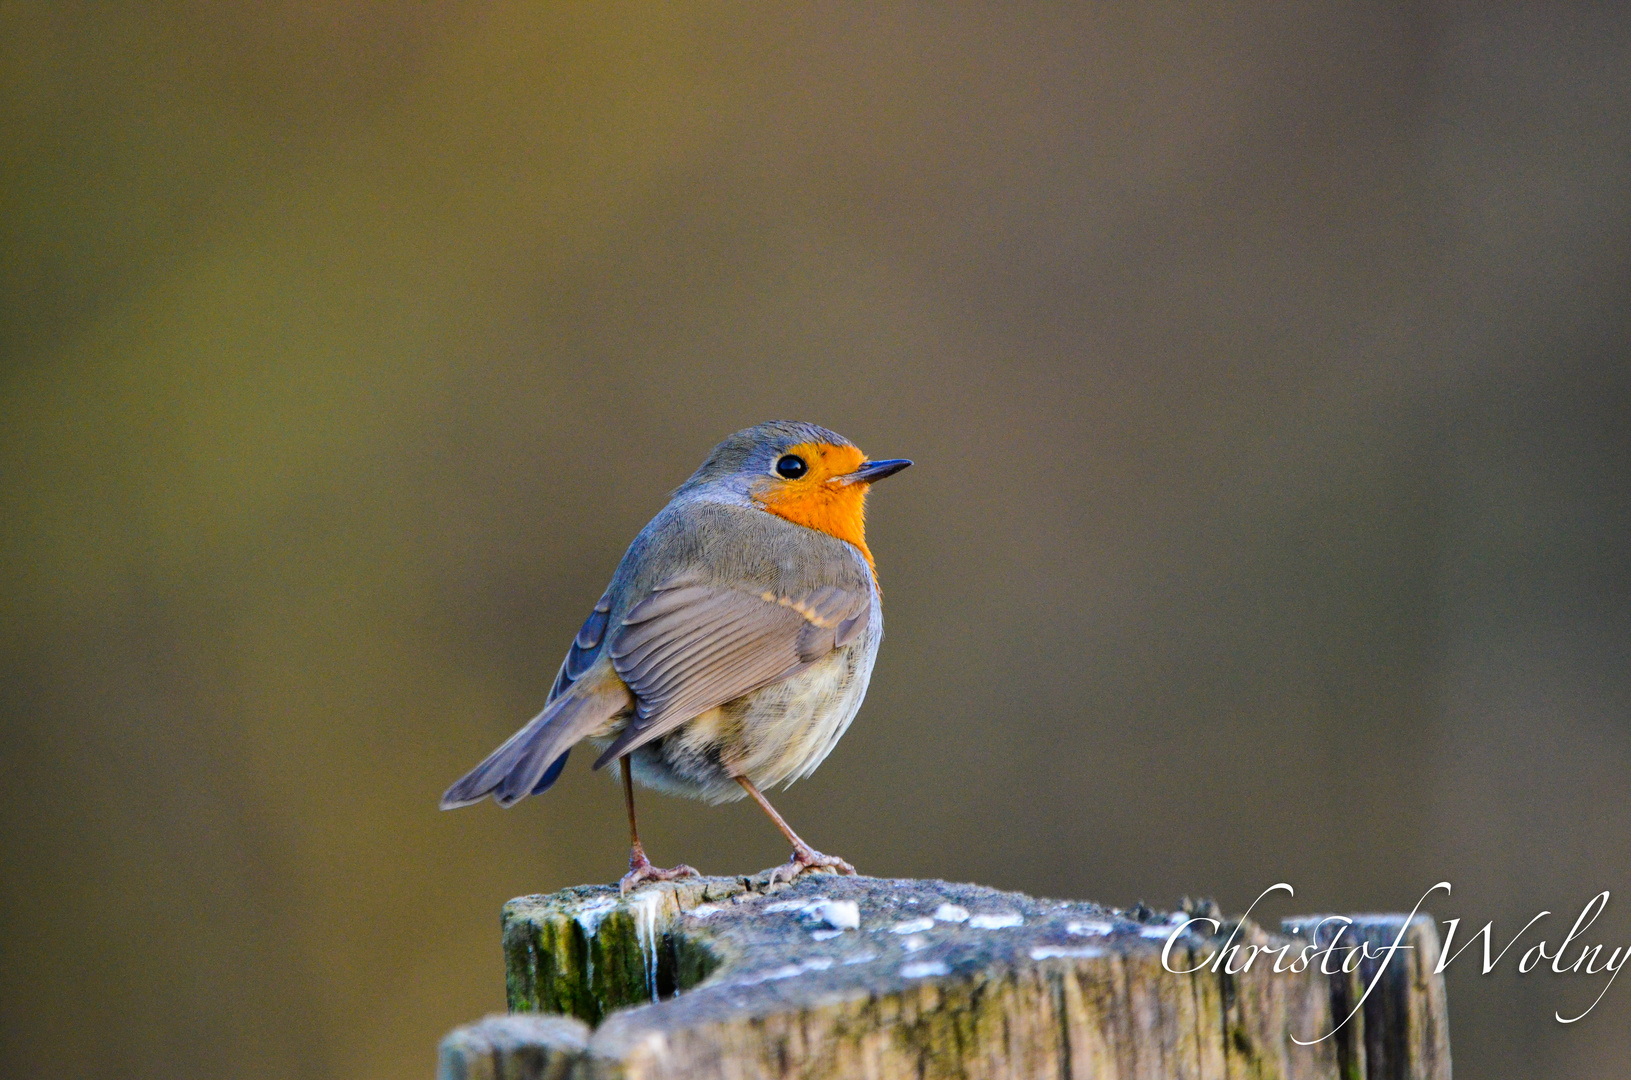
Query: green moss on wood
(589, 951)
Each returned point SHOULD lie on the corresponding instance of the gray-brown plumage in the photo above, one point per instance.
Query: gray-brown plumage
(734, 644)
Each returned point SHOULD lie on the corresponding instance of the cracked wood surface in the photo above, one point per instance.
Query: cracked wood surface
(868, 977)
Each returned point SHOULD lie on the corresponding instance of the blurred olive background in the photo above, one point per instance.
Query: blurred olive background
(1267, 367)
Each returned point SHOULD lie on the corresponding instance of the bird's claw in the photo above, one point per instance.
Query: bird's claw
(808, 860)
(641, 871)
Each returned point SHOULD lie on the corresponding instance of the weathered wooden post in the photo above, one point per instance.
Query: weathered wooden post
(868, 977)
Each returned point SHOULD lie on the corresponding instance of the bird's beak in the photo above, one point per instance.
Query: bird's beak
(873, 470)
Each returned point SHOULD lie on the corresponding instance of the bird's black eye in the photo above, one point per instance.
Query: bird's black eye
(791, 466)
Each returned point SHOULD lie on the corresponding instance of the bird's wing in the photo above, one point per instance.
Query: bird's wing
(690, 646)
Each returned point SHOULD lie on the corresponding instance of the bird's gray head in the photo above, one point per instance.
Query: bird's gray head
(778, 455)
(798, 471)
(752, 453)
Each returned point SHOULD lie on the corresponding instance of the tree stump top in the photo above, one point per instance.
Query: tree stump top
(842, 977)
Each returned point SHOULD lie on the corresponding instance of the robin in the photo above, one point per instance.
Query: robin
(733, 646)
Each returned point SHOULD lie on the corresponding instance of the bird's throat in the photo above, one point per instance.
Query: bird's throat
(835, 509)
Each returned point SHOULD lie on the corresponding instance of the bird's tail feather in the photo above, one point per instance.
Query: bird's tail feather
(519, 767)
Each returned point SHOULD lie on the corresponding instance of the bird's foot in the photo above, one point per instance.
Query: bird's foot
(641, 871)
(808, 859)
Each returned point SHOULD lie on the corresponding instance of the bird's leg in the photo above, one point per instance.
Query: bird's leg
(805, 857)
(640, 868)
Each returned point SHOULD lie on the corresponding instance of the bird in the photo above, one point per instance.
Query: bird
(732, 648)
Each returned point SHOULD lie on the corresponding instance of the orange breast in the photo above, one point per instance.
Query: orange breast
(835, 509)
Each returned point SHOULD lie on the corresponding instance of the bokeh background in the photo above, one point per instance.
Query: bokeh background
(1267, 367)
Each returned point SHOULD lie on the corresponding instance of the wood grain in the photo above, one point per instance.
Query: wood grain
(733, 978)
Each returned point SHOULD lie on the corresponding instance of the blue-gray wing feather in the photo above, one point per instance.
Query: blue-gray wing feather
(585, 647)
